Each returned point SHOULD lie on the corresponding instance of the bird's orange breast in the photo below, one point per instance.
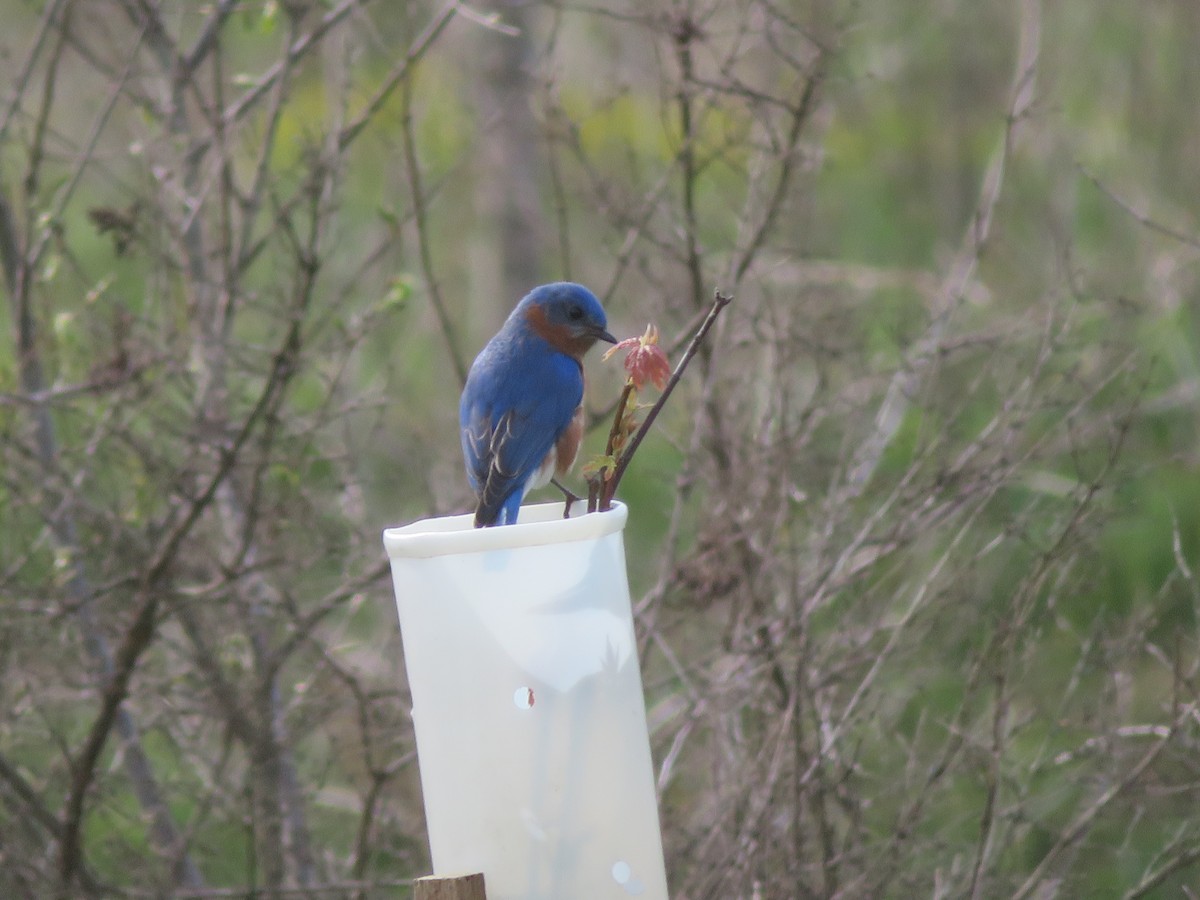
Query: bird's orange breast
(566, 448)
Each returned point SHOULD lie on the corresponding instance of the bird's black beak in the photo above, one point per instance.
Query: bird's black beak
(601, 335)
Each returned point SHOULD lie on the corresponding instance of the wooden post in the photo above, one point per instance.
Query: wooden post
(456, 887)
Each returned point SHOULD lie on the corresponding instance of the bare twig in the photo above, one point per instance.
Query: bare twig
(605, 488)
(417, 193)
(400, 73)
(1083, 822)
(1140, 217)
(140, 631)
(924, 352)
(50, 14)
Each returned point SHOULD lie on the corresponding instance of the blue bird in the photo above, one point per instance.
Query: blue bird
(521, 411)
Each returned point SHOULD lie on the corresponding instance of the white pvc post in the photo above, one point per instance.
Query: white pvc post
(527, 704)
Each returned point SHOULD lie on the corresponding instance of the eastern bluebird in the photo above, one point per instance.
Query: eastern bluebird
(522, 408)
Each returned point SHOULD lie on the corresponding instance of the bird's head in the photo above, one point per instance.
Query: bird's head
(567, 316)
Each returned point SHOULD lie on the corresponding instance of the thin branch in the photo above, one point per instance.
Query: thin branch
(1083, 822)
(924, 352)
(609, 486)
(400, 72)
(298, 49)
(1155, 878)
(421, 220)
(685, 31)
(206, 41)
(21, 81)
(140, 631)
(788, 166)
(1141, 218)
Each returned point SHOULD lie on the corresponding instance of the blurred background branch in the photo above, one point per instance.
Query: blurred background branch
(913, 546)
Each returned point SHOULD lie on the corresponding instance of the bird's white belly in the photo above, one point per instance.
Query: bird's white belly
(542, 474)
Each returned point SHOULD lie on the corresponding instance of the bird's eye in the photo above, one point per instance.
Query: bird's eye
(575, 313)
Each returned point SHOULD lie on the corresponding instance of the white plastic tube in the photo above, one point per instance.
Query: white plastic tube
(527, 704)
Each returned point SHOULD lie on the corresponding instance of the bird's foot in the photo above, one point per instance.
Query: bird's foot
(569, 497)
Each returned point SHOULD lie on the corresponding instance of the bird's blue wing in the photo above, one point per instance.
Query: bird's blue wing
(513, 410)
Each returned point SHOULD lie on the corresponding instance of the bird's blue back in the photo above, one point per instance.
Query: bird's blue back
(520, 396)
